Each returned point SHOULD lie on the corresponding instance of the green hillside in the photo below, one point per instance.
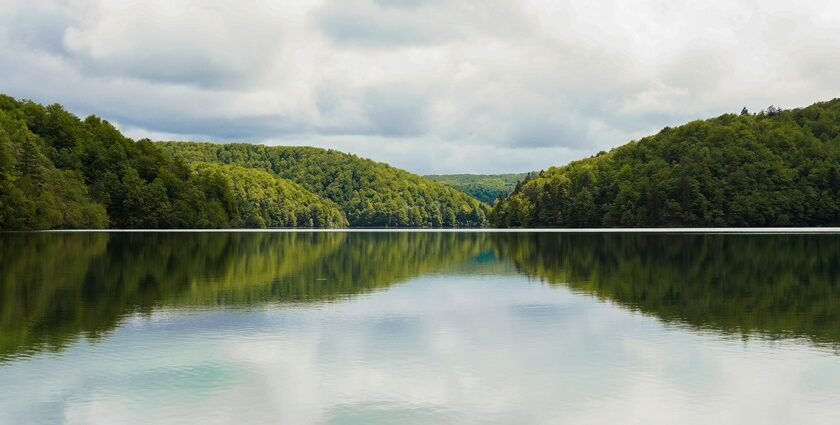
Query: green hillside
(370, 193)
(58, 172)
(484, 187)
(780, 168)
(265, 200)
(775, 168)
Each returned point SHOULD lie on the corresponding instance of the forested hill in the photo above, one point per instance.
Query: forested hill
(370, 193)
(58, 171)
(484, 187)
(776, 168)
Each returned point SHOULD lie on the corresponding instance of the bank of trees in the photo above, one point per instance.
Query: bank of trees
(59, 171)
(776, 168)
(265, 200)
(484, 187)
(34, 193)
(371, 194)
(771, 169)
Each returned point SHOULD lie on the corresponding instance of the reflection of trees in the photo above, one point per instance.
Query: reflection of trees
(774, 285)
(57, 286)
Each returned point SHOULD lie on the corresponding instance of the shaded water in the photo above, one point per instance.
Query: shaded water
(419, 328)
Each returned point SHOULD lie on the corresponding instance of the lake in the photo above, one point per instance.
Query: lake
(419, 328)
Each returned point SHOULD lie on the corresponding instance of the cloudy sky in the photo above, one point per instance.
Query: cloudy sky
(427, 85)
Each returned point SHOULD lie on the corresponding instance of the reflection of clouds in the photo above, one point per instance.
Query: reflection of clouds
(435, 350)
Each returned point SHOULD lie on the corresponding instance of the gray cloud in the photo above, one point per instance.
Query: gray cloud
(404, 3)
(41, 28)
(216, 46)
(396, 113)
(428, 85)
(377, 24)
(243, 128)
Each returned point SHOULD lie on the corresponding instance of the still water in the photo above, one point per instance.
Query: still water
(419, 328)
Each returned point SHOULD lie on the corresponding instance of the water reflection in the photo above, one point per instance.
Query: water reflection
(773, 285)
(57, 287)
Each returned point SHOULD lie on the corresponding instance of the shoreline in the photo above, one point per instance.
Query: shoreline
(674, 230)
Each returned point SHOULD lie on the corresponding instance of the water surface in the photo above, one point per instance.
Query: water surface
(426, 328)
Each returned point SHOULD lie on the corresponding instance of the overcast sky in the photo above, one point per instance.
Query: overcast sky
(426, 85)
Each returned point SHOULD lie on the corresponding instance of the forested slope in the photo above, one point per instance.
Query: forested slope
(484, 187)
(370, 193)
(780, 168)
(265, 200)
(58, 171)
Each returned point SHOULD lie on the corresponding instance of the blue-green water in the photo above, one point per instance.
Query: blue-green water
(419, 328)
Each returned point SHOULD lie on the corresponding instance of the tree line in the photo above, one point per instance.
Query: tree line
(776, 168)
(484, 187)
(371, 194)
(60, 171)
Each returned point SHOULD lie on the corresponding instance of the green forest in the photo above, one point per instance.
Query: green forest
(484, 187)
(371, 194)
(58, 171)
(775, 168)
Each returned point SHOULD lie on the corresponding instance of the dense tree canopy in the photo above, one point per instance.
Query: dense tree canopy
(62, 172)
(484, 187)
(370, 193)
(777, 168)
(34, 193)
(58, 171)
(265, 200)
(780, 168)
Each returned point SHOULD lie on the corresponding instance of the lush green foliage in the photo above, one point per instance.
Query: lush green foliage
(776, 169)
(370, 193)
(34, 194)
(265, 200)
(57, 171)
(484, 187)
(68, 173)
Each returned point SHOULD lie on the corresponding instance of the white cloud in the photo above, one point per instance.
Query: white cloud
(419, 82)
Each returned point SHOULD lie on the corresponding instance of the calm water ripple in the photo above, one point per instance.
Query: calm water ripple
(428, 328)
